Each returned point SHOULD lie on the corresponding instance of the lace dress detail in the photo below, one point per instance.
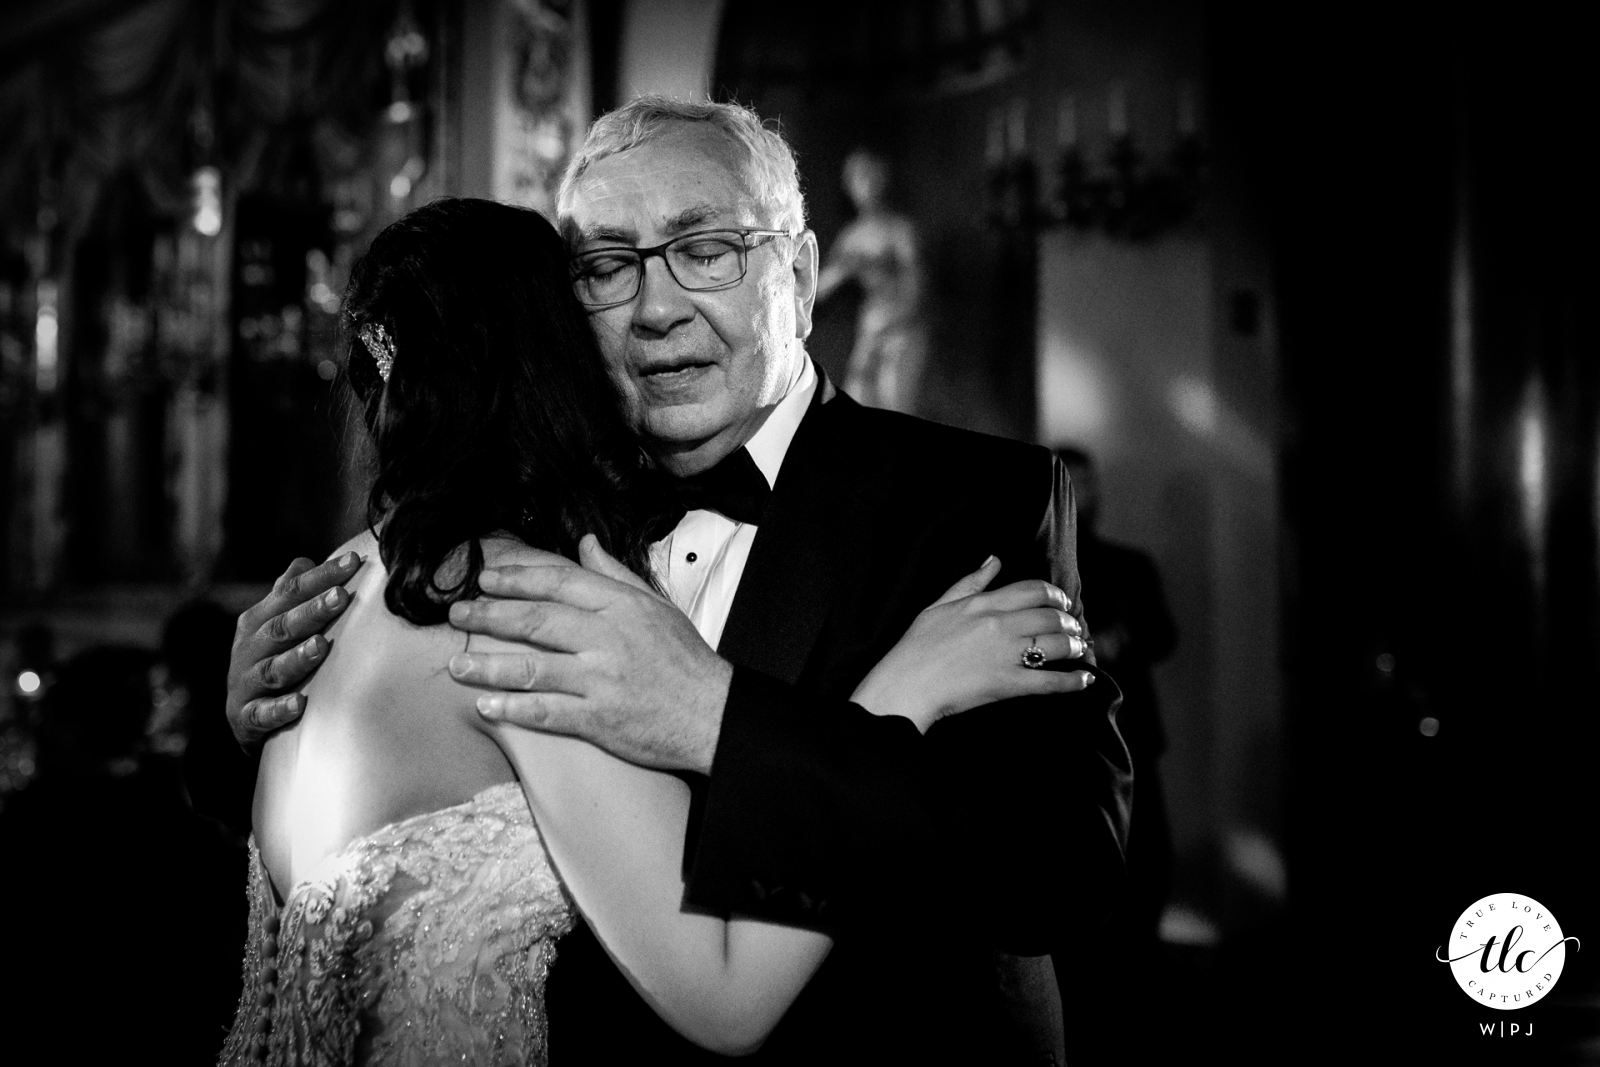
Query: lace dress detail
(426, 942)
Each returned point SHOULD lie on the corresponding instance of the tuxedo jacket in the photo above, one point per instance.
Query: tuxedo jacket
(1000, 830)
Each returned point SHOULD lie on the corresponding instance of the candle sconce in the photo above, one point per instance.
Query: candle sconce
(1124, 197)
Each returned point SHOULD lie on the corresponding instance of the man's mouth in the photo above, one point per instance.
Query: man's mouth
(668, 372)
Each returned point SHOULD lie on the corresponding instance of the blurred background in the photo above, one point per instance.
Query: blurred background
(1302, 291)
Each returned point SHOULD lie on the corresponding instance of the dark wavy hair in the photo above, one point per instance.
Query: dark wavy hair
(498, 414)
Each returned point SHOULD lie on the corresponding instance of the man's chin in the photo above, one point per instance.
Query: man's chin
(695, 435)
(680, 426)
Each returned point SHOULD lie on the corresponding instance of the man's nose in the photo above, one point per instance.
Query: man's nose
(662, 302)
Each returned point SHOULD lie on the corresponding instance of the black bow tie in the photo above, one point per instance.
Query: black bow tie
(735, 488)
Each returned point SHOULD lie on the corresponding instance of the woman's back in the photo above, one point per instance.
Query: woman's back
(402, 906)
(387, 734)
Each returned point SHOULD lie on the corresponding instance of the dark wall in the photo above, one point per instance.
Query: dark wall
(1434, 242)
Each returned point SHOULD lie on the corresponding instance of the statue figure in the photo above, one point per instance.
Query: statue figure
(878, 250)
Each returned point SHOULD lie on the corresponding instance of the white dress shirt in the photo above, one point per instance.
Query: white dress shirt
(700, 562)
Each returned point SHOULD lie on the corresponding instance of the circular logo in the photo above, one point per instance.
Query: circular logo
(1506, 951)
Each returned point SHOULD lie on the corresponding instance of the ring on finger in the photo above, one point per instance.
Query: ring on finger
(1033, 656)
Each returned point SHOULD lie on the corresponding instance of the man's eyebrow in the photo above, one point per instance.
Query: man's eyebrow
(690, 218)
(608, 234)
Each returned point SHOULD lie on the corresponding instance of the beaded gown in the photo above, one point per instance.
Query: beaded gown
(427, 941)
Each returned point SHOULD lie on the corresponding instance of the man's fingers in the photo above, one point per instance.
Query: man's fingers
(288, 669)
(552, 713)
(598, 560)
(542, 558)
(539, 622)
(971, 584)
(569, 585)
(300, 586)
(263, 716)
(306, 620)
(258, 613)
(544, 672)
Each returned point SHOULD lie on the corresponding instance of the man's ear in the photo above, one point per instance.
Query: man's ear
(805, 282)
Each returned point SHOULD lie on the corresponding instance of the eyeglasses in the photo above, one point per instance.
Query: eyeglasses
(702, 262)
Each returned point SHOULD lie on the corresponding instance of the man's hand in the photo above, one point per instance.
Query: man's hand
(279, 642)
(611, 661)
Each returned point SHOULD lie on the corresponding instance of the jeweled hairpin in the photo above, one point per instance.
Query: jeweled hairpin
(379, 343)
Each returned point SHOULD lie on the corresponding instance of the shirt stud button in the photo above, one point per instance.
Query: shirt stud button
(691, 557)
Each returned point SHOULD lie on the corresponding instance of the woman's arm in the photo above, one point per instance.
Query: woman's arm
(965, 650)
(615, 832)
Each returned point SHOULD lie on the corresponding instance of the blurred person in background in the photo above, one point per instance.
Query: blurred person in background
(195, 645)
(1133, 631)
(123, 921)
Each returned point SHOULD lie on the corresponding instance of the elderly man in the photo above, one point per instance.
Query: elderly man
(814, 531)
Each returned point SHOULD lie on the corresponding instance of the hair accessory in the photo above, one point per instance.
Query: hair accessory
(381, 345)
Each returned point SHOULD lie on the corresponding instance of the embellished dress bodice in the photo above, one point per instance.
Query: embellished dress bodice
(425, 942)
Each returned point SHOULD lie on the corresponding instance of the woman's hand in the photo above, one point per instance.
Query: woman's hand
(966, 650)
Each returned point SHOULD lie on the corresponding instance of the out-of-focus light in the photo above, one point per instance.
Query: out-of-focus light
(1255, 858)
(1203, 413)
(1076, 401)
(327, 369)
(1461, 357)
(1428, 727)
(28, 682)
(1385, 662)
(1182, 925)
(46, 335)
(402, 183)
(1195, 405)
(400, 111)
(207, 185)
(318, 291)
(1532, 465)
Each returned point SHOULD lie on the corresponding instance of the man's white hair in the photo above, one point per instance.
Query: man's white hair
(766, 164)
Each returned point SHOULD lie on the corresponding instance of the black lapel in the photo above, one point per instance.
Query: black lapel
(790, 580)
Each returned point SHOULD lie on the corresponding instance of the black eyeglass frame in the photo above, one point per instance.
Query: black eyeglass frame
(745, 248)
